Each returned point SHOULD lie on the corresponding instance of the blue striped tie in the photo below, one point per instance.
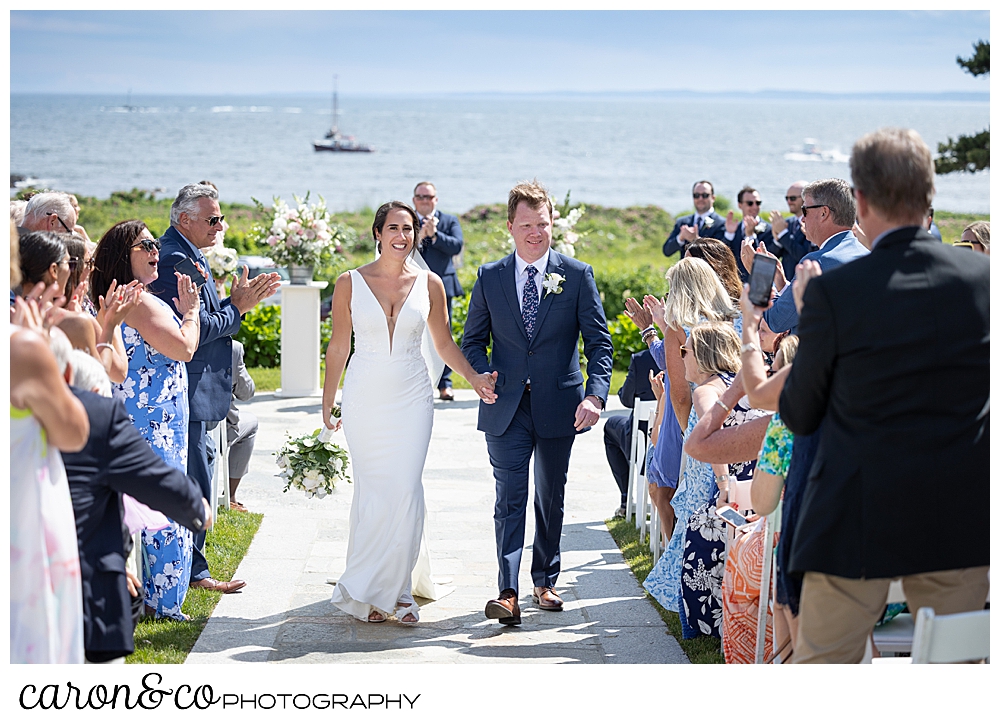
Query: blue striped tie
(529, 302)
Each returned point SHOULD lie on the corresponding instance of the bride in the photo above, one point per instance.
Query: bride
(387, 411)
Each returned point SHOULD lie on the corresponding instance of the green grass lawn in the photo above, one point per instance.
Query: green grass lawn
(701, 650)
(165, 641)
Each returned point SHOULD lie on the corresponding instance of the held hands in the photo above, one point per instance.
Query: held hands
(804, 272)
(588, 413)
(484, 384)
(187, 299)
(248, 293)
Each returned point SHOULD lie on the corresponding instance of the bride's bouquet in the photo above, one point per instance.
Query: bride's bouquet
(312, 463)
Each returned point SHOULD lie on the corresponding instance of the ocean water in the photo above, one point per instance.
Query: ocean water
(605, 150)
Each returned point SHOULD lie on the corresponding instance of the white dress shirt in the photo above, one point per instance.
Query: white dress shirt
(521, 276)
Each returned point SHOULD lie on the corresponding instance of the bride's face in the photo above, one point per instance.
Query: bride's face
(397, 233)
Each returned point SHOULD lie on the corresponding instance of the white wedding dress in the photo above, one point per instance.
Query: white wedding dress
(387, 409)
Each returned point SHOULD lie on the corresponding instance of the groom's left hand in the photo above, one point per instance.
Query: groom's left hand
(588, 413)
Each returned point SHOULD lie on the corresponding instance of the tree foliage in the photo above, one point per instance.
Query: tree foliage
(968, 153)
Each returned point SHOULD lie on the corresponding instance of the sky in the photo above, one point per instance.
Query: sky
(427, 52)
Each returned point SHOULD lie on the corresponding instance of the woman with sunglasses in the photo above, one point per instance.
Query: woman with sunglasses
(158, 343)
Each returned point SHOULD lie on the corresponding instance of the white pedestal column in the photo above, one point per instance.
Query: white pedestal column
(300, 340)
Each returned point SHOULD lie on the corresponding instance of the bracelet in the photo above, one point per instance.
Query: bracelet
(749, 346)
(722, 404)
(647, 330)
(186, 320)
(104, 344)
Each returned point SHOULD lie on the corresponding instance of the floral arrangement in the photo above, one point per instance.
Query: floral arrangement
(312, 465)
(222, 260)
(303, 235)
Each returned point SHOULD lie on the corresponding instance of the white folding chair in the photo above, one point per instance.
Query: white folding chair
(765, 585)
(654, 514)
(636, 458)
(220, 481)
(951, 639)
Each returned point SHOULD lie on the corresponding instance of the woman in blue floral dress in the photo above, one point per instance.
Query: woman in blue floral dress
(154, 392)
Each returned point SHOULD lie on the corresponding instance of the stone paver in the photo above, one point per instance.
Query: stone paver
(284, 615)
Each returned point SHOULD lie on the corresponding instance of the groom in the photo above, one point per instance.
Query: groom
(532, 306)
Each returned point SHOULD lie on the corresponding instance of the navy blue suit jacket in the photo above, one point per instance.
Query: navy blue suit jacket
(894, 361)
(838, 250)
(210, 371)
(736, 244)
(439, 250)
(116, 460)
(795, 245)
(636, 382)
(551, 359)
(714, 231)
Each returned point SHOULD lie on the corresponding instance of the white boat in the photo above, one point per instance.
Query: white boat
(337, 141)
(811, 151)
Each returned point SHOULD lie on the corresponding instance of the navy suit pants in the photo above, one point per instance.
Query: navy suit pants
(618, 446)
(198, 470)
(510, 454)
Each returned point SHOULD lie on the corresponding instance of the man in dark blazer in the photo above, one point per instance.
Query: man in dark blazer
(749, 227)
(830, 212)
(618, 428)
(704, 222)
(893, 359)
(118, 460)
(788, 233)
(195, 219)
(439, 241)
(532, 306)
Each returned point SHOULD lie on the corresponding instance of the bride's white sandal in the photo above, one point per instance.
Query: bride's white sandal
(376, 616)
(403, 611)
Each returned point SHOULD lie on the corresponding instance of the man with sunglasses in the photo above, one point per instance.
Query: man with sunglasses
(50, 211)
(749, 227)
(704, 222)
(788, 233)
(195, 219)
(828, 214)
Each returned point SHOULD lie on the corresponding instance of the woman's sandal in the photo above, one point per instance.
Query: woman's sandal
(376, 616)
(402, 611)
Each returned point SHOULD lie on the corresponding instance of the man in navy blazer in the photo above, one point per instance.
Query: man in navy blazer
(749, 227)
(788, 233)
(830, 213)
(704, 222)
(195, 219)
(532, 306)
(116, 460)
(439, 239)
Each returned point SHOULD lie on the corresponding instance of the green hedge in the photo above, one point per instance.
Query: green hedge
(260, 334)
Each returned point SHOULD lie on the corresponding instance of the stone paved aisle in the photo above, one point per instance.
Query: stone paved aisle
(284, 614)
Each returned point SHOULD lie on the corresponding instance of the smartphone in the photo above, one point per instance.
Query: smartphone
(762, 279)
(731, 516)
(187, 267)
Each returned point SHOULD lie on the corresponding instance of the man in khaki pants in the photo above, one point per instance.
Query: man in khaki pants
(893, 361)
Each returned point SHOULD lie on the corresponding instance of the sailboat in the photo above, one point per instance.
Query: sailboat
(337, 141)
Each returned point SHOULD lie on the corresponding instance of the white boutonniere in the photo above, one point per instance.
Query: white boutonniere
(759, 229)
(552, 283)
(707, 221)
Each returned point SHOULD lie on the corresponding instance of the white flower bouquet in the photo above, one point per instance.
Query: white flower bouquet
(311, 465)
(222, 260)
(303, 235)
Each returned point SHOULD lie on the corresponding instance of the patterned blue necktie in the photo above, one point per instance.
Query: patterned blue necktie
(529, 302)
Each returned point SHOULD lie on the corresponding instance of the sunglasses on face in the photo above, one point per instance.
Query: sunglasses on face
(684, 351)
(805, 209)
(148, 245)
(61, 222)
(792, 198)
(216, 220)
(752, 203)
(424, 197)
(701, 196)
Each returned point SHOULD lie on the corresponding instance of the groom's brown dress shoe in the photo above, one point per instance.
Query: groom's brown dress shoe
(504, 608)
(547, 598)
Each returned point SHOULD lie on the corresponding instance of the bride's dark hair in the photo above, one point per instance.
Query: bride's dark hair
(383, 213)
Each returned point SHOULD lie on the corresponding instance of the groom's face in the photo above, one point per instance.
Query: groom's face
(532, 231)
